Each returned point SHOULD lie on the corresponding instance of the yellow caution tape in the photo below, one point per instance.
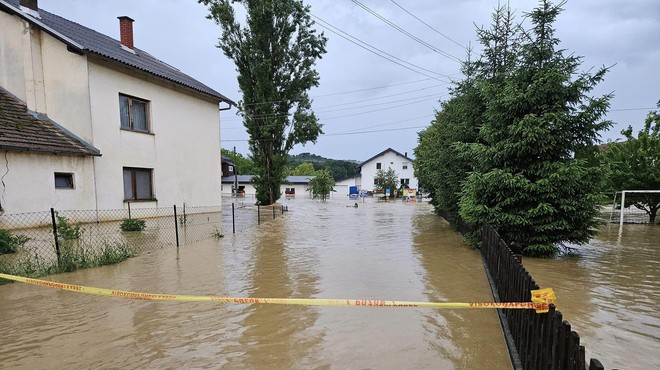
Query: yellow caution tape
(541, 299)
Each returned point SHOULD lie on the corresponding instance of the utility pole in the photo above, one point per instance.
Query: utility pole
(235, 191)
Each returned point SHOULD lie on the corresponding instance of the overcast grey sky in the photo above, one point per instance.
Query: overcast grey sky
(368, 103)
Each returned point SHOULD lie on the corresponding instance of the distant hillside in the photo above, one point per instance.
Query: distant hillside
(340, 169)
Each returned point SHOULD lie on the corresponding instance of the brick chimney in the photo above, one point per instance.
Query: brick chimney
(30, 4)
(125, 31)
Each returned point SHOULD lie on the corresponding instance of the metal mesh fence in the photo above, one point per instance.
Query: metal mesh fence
(41, 243)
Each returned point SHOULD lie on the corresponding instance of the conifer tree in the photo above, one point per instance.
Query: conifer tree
(526, 181)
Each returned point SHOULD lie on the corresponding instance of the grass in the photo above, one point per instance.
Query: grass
(72, 257)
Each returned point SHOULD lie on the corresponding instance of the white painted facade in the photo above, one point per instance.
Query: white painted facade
(402, 165)
(81, 93)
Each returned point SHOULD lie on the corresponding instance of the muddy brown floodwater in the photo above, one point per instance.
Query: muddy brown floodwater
(392, 251)
(610, 294)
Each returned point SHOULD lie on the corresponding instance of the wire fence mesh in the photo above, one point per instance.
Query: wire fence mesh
(42, 243)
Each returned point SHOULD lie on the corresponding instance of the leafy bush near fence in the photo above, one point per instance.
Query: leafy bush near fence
(133, 224)
(10, 243)
(65, 230)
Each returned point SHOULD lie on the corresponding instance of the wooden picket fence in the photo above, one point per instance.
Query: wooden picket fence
(536, 341)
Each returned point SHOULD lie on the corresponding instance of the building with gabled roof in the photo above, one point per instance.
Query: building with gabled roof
(388, 158)
(110, 123)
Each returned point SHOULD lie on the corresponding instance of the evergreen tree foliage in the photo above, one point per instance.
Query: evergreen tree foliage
(635, 165)
(526, 182)
(502, 148)
(274, 51)
(440, 165)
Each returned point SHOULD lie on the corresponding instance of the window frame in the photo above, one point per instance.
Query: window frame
(404, 165)
(133, 171)
(379, 166)
(131, 123)
(69, 176)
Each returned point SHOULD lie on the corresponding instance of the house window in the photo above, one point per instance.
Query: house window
(138, 184)
(405, 181)
(63, 180)
(230, 169)
(378, 166)
(405, 165)
(134, 113)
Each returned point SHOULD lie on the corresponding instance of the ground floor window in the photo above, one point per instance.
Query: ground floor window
(138, 184)
(63, 180)
(405, 181)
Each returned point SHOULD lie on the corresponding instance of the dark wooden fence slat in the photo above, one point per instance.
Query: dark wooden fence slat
(543, 341)
(595, 365)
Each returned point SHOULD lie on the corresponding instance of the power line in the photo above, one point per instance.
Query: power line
(383, 54)
(403, 31)
(428, 25)
(341, 134)
(409, 101)
(356, 102)
(372, 88)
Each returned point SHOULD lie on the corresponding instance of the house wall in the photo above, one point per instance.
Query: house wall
(183, 147)
(29, 183)
(17, 39)
(39, 70)
(387, 160)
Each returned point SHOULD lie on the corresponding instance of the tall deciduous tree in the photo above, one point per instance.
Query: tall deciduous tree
(635, 165)
(274, 50)
(526, 181)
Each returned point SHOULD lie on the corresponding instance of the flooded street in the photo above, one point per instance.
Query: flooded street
(393, 251)
(610, 294)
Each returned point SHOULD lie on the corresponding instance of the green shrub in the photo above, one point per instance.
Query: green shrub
(10, 243)
(65, 230)
(133, 224)
(77, 258)
(216, 233)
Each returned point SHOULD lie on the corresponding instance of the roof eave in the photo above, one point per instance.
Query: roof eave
(71, 45)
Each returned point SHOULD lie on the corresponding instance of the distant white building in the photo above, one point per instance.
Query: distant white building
(293, 186)
(388, 158)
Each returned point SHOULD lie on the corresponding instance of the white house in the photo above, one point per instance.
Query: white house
(295, 186)
(130, 128)
(389, 158)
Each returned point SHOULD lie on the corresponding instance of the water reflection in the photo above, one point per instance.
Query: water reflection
(610, 294)
(323, 250)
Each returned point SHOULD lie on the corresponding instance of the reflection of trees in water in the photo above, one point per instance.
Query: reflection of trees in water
(276, 335)
(453, 272)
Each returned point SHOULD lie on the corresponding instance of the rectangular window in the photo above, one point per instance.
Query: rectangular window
(405, 165)
(230, 169)
(138, 184)
(133, 113)
(63, 180)
(405, 181)
(378, 166)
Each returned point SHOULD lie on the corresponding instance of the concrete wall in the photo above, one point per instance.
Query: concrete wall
(29, 182)
(387, 160)
(182, 147)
